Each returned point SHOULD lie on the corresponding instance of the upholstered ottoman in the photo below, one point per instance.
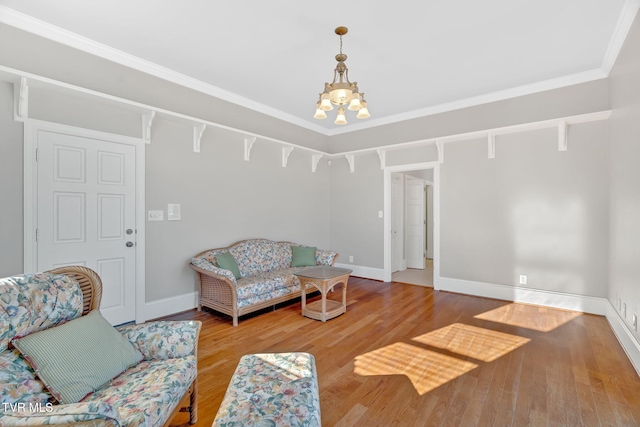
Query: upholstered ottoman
(275, 389)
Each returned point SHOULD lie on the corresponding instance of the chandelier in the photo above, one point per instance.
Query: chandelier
(341, 91)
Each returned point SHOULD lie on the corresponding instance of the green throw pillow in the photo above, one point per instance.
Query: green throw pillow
(303, 256)
(78, 357)
(228, 262)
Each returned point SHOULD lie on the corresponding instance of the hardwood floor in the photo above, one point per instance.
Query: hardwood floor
(405, 355)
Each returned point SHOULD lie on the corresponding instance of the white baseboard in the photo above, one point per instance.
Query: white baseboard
(366, 272)
(583, 303)
(626, 337)
(172, 305)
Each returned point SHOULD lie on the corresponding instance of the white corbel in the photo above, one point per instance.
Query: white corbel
(562, 136)
(285, 155)
(197, 136)
(314, 162)
(147, 122)
(383, 158)
(440, 147)
(352, 162)
(21, 100)
(491, 142)
(248, 143)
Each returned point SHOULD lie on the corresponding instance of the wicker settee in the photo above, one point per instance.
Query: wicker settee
(161, 382)
(266, 276)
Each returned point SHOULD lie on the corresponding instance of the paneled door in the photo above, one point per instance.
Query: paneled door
(416, 222)
(86, 214)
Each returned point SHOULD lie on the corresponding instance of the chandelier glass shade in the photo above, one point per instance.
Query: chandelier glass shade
(341, 91)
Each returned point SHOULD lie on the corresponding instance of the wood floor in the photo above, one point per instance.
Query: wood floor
(405, 355)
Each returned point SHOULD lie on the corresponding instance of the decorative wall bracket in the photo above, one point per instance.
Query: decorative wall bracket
(315, 158)
(285, 155)
(21, 100)
(248, 144)
(147, 122)
(197, 136)
(383, 158)
(352, 162)
(491, 142)
(563, 142)
(440, 147)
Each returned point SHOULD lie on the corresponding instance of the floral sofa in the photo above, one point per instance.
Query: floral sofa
(266, 276)
(149, 393)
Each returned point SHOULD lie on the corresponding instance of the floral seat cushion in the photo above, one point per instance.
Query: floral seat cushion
(274, 389)
(145, 394)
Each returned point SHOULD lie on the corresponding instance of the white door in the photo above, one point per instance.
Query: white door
(397, 235)
(86, 214)
(415, 221)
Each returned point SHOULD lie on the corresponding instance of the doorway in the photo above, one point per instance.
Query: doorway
(418, 226)
(85, 201)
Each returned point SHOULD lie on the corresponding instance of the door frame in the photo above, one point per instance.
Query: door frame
(31, 129)
(436, 216)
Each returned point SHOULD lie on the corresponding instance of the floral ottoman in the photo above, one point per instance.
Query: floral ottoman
(275, 389)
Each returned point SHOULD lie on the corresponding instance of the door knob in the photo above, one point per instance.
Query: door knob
(129, 244)
(129, 231)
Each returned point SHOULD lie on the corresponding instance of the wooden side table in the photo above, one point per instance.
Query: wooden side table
(323, 278)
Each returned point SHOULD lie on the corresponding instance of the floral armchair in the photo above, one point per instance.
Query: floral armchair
(149, 393)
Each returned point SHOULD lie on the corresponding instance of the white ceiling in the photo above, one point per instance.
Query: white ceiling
(410, 58)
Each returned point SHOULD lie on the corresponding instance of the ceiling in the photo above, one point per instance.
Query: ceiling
(410, 58)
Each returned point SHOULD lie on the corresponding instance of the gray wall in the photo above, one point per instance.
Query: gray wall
(11, 212)
(223, 198)
(625, 177)
(532, 210)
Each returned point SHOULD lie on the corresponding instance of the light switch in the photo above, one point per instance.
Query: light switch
(173, 212)
(156, 216)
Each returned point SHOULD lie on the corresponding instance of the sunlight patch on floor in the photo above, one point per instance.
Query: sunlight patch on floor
(543, 319)
(425, 369)
(479, 343)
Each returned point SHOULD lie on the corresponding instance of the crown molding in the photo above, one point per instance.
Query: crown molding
(501, 95)
(35, 26)
(625, 20)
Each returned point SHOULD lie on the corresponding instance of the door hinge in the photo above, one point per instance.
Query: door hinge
(37, 154)
(37, 234)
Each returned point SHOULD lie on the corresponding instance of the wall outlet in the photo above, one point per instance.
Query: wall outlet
(523, 279)
(634, 322)
(350, 258)
(624, 310)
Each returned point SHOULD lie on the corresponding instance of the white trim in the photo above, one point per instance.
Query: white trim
(484, 133)
(387, 213)
(35, 26)
(171, 305)
(583, 303)
(366, 272)
(27, 23)
(501, 95)
(31, 129)
(625, 336)
(628, 14)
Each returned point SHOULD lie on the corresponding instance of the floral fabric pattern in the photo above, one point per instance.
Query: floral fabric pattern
(143, 396)
(261, 255)
(202, 263)
(146, 394)
(163, 340)
(18, 382)
(325, 257)
(32, 302)
(278, 389)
